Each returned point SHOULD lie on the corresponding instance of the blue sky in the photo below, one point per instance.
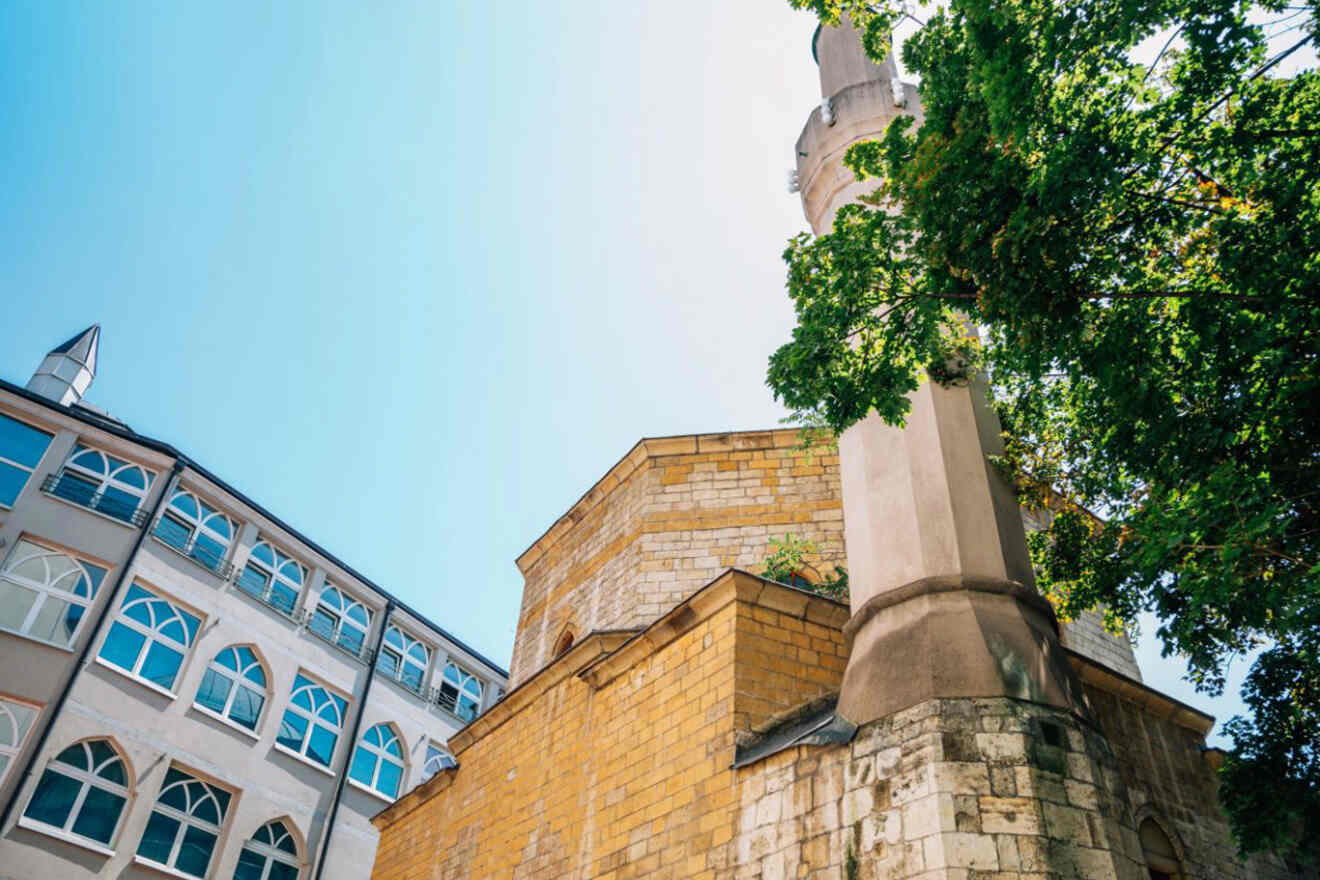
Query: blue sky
(414, 275)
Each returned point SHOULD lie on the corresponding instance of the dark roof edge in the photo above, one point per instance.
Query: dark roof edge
(167, 449)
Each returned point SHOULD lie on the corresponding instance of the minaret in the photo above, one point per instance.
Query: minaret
(67, 371)
(941, 585)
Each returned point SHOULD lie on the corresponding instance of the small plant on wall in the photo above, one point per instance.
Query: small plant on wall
(787, 564)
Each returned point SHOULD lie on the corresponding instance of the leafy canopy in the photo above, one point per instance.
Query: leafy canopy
(1137, 233)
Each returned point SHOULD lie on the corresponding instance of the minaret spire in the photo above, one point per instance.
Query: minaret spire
(68, 370)
(941, 585)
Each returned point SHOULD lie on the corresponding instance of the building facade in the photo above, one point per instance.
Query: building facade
(675, 715)
(188, 686)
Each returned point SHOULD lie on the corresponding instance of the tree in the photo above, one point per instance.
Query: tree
(1139, 241)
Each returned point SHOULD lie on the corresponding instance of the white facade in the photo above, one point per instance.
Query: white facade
(200, 772)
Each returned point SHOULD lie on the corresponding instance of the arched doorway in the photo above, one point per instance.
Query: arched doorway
(1161, 858)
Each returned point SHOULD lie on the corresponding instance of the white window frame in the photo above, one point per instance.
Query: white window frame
(340, 616)
(236, 680)
(312, 718)
(86, 779)
(47, 589)
(464, 678)
(151, 634)
(380, 753)
(436, 753)
(10, 720)
(198, 525)
(19, 465)
(187, 820)
(106, 479)
(275, 574)
(271, 852)
(403, 657)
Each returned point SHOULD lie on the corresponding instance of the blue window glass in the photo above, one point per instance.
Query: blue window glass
(21, 448)
(20, 443)
(185, 823)
(234, 686)
(270, 854)
(150, 638)
(312, 721)
(378, 761)
(82, 792)
(102, 482)
(173, 532)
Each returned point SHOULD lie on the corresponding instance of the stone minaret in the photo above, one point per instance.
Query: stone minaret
(942, 590)
(68, 370)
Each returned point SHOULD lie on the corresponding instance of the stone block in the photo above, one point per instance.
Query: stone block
(1067, 824)
(975, 852)
(1010, 815)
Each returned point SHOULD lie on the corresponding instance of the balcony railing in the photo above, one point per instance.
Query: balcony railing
(204, 556)
(282, 600)
(449, 702)
(82, 493)
(346, 641)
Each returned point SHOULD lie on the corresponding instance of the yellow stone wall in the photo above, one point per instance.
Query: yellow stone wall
(615, 761)
(669, 517)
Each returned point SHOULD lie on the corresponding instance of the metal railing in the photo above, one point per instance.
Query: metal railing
(267, 595)
(449, 702)
(80, 492)
(352, 645)
(203, 556)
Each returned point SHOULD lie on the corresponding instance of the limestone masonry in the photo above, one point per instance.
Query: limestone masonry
(674, 715)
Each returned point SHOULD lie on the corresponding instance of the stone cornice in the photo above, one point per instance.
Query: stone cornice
(1158, 704)
(636, 459)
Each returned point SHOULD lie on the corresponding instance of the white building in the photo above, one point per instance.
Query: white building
(190, 687)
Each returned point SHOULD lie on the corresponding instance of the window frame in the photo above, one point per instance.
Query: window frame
(403, 659)
(273, 575)
(104, 480)
(271, 852)
(465, 676)
(86, 780)
(150, 637)
(197, 527)
(11, 752)
(5, 460)
(46, 591)
(186, 820)
(440, 752)
(237, 679)
(312, 717)
(379, 755)
(341, 618)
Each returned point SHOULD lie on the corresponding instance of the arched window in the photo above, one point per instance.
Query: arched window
(102, 482)
(437, 759)
(341, 619)
(270, 854)
(15, 722)
(149, 638)
(312, 722)
(1161, 858)
(21, 449)
(378, 761)
(184, 824)
(272, 577)
(403, 658)
(460, 692)
(44, 593)
(234, 687)
(196, 529)
(82, 792)
(565, 642)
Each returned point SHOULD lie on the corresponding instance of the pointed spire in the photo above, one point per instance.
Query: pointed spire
(67, 371)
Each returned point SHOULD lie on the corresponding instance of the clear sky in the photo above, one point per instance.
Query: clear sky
(412, 275)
